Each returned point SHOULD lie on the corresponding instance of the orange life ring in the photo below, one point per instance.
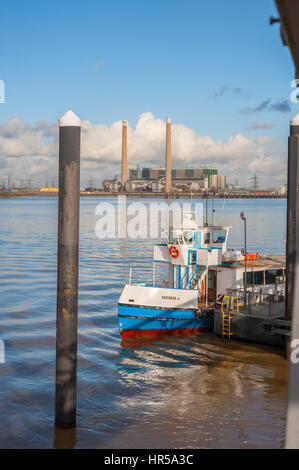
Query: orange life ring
(173, 251)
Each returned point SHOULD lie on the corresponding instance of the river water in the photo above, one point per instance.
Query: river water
(195, 391)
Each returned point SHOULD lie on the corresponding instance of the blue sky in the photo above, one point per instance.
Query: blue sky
(216, 67)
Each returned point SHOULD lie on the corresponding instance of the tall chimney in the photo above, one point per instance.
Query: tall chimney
(168, 156)
(124, 155)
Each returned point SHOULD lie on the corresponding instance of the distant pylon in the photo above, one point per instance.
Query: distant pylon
(254, 181)
(91, 183)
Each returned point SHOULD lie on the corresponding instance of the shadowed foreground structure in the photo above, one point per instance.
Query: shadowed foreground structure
(289, 19)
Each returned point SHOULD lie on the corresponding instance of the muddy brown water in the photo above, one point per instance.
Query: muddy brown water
(194, 391)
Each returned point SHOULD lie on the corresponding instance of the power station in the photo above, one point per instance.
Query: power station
(162, 179)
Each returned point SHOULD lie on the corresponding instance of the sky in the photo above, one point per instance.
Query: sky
(218, 69)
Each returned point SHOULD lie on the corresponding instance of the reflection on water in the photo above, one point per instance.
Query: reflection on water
(191, 391)
(206, 393)
(65, 438)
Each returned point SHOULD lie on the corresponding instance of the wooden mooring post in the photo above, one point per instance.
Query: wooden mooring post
(292, 428)
(67, 270)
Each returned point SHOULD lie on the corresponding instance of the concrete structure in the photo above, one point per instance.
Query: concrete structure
(292, 438)
(111, 185)
(293, 155)
(179, 176)
(155, 180)
(289, 17)
(217, 182)
(214, 182)
(289, 20)
(67, 275)
(282, 191)
(260, 325)
(124, 171)
(144, 185)
(221, 181)
(168, 156)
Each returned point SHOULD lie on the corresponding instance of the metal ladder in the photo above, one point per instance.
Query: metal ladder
(227, 315)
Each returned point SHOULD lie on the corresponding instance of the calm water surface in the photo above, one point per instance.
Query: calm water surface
(172, 392)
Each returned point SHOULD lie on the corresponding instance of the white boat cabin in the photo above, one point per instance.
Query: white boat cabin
(198, 258)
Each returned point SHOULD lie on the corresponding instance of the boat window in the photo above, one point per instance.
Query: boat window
(192, 257)
(181, 239)
(188, 237)
(258, 278)
(197, 239)
(173, 238)
(273, 276)
(212, 280)
(207, 238)
(219, 236)
(249, 278)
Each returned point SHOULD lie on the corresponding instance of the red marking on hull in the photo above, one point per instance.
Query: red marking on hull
(127, 333)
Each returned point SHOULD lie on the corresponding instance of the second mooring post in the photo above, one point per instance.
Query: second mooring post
(292, 428)
(293, 153)
(67, 276)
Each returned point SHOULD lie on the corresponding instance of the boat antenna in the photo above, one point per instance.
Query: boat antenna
(213, 211)
(207, 222)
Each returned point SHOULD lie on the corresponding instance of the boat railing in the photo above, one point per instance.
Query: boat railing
(257, 298)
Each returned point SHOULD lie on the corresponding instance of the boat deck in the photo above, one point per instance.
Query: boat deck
(204, 306)
(263, 261)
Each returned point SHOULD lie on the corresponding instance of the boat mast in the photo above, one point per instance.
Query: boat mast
(206, 222)
(213, 211)
(207, 286)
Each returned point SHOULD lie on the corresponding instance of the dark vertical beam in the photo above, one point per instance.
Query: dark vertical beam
(245, 262)
(289, 17)
(67, 278)
(293, 153)
(292, 430)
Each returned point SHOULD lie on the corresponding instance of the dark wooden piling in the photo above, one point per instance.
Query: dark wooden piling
(293, 153)
(67, 277)
(292, 428)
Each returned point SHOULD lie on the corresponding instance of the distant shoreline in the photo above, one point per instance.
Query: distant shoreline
(228, 195)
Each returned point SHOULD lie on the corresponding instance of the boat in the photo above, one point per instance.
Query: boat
(200, 271)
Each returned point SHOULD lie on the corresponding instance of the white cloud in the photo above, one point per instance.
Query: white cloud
(32, 150)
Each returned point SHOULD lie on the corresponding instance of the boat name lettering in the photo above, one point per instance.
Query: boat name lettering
(169, 297)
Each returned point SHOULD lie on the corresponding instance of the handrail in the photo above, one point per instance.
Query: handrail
(227, 304)
(232, 304)
(257, 297)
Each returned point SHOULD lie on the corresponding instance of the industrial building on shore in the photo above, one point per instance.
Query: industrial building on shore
(163, 179)
(167, 180)
(182, 179)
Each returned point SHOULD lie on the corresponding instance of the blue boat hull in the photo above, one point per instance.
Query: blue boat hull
(143, 321)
